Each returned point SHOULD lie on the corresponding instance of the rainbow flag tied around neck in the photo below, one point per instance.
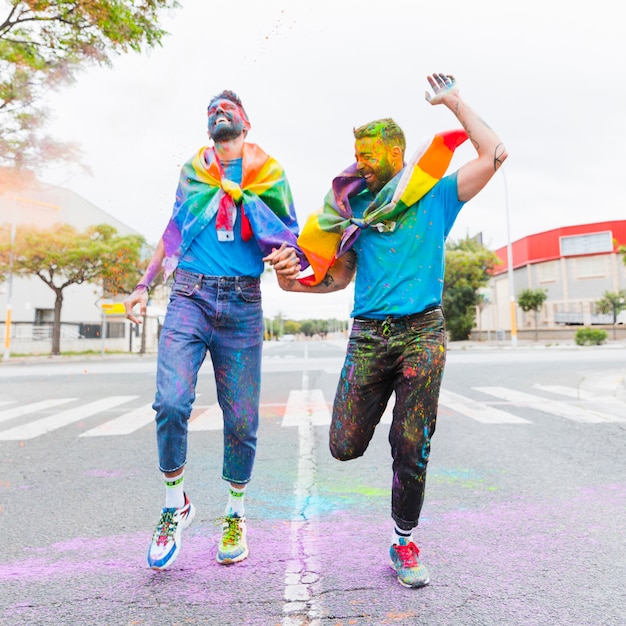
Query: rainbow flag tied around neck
(264, 196)
(331, 232)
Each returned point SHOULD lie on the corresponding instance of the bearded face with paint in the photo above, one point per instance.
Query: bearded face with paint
(226, 120)
(378, 154)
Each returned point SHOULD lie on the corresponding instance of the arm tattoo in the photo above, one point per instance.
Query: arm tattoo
(497, 161)
(328, 281)
(351, 260)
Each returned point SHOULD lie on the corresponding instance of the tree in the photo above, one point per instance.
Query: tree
(43, 45)
(612, 302)
(62, 256)
(532, 300)
(467, 269)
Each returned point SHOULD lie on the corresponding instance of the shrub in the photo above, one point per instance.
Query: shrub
(590, 336)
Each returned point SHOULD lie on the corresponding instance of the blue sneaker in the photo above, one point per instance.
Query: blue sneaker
(167, 537)
(233, 546)
(411, 573)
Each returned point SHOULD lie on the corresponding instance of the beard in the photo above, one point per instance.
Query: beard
(382, 175)
(226, 132)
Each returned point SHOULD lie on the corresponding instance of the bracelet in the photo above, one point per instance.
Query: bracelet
(142, 286)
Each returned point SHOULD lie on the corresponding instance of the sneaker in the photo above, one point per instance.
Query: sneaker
(233, 546)
(411, 573)
(167, 537)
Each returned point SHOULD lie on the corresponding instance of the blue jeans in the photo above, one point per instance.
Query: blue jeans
(221, 314)
(402, 355)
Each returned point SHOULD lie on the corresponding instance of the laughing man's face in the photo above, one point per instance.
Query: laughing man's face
(226, 120)
(373, 163)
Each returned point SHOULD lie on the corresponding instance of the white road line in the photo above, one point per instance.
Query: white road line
(303, 566)
(589, 400)
(553, 407)
(124, 424)
(25, 409)
(477, 410)
(58, 420)
(206, 418)
(306, 406)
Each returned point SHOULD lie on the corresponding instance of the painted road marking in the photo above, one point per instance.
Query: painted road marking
(589, 400)
(19, 411)
(206, 418)
(302, 573)
(308, 406)
(124, 424)
(58, 420)
(553, 407)
(478, 411)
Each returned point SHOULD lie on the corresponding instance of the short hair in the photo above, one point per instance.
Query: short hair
(227, 94)
(385, 128)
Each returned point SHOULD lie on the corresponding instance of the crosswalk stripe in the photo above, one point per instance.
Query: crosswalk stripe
(206, 418)
(560, 409)
(58, 420)
(309, 406)
(478, 410)
(124, 424)
(604, 402)
(306, 405)
(25, 409)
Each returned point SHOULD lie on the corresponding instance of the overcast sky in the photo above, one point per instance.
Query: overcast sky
(548, 76)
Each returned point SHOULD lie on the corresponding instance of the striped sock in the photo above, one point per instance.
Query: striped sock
(235, 505)
(399, 532)
(174, 492)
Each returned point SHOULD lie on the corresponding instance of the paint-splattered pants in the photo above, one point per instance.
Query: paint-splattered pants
(402, 355)
(224, 316)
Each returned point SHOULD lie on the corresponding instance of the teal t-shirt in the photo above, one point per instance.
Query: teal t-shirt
(211, 257)
(401, 272)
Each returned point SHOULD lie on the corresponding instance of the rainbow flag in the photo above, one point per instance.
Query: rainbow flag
(264, 197)
(331, 232)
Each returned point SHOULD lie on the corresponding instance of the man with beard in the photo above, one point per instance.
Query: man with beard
(388, 222)
(233, 206)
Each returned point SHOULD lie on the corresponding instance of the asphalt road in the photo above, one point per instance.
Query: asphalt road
(523, 522)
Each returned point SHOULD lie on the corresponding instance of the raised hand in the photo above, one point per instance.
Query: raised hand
(442, 85)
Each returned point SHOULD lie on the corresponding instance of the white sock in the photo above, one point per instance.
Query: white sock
(174, 492)
(399, 532)
(235, 505)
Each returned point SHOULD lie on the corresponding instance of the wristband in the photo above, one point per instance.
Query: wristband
(142, 286)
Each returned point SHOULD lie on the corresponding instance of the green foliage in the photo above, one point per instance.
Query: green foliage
(43, 45)
(590, 336)
(612, 302)
(532, 300)
(468, 265)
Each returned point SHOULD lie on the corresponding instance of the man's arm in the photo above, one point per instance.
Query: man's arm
(287, 266)
(475, 174)
(140, 294)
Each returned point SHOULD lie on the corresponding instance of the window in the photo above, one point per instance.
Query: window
(548, 272)
(591, 267)
(44, 315)
(592, 243)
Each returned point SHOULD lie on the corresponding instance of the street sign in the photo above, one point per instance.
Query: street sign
(113, 308)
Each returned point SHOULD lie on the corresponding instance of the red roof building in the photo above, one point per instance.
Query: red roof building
(575, 265)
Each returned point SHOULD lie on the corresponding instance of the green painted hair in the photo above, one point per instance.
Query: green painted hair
(391, 134)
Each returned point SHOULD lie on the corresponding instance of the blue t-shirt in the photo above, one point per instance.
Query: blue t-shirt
(211, 257)
(401, 272)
